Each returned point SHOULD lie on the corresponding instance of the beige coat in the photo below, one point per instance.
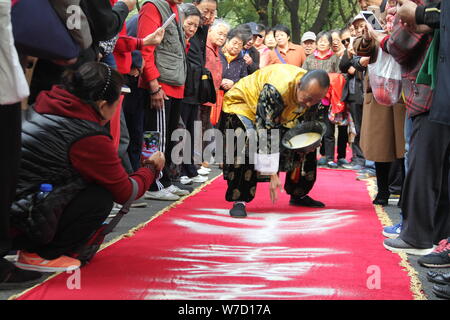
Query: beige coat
(382, 133)
(382, 128)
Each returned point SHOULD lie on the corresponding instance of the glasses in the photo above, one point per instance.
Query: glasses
(344, 41)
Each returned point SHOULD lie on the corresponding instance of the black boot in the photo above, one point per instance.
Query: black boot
(305, 201)
(238, 211)
(12, 277)
(382, 172)
(382, 198)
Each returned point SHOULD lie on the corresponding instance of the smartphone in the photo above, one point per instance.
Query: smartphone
(168, 21)
(151, 143)
(371, 19)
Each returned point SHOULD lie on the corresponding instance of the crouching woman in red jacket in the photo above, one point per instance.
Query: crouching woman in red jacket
(65, 144)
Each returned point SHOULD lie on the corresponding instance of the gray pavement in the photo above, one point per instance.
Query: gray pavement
(137, 216)
(394, 213)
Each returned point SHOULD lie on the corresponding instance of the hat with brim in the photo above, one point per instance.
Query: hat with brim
(309, 36)
(358, 17)
(254, 28)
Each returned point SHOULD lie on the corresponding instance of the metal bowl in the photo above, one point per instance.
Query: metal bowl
(304, 127)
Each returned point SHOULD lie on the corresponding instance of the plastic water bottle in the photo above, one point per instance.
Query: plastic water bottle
(44, 190)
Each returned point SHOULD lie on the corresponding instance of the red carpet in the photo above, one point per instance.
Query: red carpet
(196, 251)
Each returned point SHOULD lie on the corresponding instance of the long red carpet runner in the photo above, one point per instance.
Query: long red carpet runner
(197, 251)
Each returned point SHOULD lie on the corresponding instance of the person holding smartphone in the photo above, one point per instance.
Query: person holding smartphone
(163, 78)
(409, 49)
(60, 146)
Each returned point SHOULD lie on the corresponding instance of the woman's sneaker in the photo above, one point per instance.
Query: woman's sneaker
(33, 262)
(179, 192)
(392, 232)
(185, 180)
(322, 161)
(164, 195)
(332, 165)
(351, 166)
(341, 162)
(203, 171)
(400, 246)
(439, 258)
(200, 179)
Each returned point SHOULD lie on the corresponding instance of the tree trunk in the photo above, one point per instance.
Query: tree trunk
(274, 13)
(322, 17)
(262, 8)
(292, 6)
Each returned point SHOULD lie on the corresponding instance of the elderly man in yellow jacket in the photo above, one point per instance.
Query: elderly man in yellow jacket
(270, 101)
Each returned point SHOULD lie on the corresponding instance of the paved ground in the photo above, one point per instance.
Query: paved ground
(138, 215)
(394, 213)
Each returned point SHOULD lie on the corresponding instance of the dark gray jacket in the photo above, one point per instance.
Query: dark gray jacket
(46, 142)
(170, 54)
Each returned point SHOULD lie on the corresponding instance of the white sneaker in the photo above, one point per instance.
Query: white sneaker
(202, 171)
(199, 179)
(12, 257)
(179, 192)
(185, 180)
(205, 169)
(164, 195)
(137, 204)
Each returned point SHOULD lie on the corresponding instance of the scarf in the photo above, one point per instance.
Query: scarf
(326, 57)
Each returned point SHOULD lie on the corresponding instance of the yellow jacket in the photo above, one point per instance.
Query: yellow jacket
(242, 99)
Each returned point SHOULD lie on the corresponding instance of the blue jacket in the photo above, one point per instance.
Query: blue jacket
(235, 70)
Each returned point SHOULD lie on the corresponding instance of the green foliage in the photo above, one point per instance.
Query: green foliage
(237, 11)
(241, 11)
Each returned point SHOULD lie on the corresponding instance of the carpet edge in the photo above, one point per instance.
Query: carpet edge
(416, 286)
(130, 233)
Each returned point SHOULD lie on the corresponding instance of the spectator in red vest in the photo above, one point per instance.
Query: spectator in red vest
(164, 77)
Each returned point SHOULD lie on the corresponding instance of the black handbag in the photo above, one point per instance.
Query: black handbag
(207, 92)
(38, 219)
